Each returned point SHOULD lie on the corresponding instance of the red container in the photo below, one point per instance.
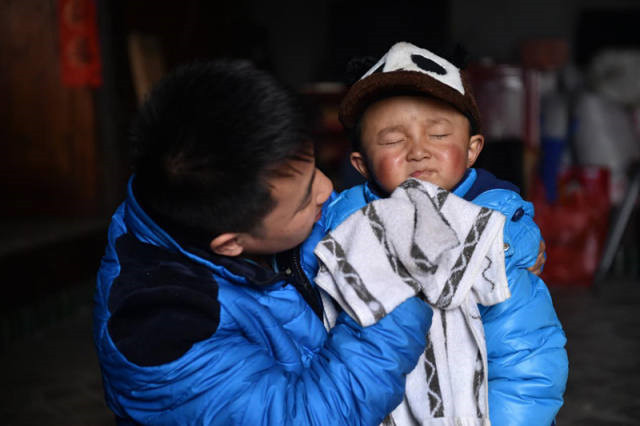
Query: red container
(575, 226)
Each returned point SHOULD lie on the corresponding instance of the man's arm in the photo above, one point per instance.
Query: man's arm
(250, 372)
(356, 379)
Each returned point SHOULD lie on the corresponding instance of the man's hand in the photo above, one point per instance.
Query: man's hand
(540, 260)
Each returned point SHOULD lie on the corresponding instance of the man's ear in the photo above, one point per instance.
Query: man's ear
(226, 244)
(476, 143)
(359, 163)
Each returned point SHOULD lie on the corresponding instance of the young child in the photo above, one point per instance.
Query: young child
(202, 313)
(412, 114)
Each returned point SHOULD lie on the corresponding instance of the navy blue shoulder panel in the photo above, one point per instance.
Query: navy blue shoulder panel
(486, 181)
(161, 303)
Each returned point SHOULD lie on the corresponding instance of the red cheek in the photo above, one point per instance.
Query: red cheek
(456, 158)
(389, 171)
(450, 154)
(384, 167)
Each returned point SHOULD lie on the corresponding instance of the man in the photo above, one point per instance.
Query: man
(203, 314)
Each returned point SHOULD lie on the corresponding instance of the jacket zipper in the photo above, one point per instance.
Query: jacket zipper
(302, 284)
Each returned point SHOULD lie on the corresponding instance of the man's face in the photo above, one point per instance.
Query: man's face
(414, 136)
(298, 197)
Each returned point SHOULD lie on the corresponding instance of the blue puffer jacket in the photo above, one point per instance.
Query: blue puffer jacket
(185, 338)
(527, 361)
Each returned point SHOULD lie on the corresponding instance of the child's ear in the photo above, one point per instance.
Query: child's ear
(227, 244)
(359, 163)
(476, 143)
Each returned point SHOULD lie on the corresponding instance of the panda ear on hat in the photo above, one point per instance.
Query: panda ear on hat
(407, 68)
(460, 56)
(356, 67)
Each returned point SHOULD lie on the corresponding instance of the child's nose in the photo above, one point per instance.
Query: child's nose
(418, 150)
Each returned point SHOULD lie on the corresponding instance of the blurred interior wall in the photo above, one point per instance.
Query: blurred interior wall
(62, 145)
(49, 163)
(495, 28)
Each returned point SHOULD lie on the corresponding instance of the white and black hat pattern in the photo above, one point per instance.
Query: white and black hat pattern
(408, 69)
(407, 57)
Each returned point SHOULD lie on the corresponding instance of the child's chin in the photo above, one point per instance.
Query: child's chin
(433, 181)
(426, 178)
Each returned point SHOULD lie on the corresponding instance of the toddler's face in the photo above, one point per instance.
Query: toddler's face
(415, 136)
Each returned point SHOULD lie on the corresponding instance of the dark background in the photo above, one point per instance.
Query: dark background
(66, 150)
(64, 162)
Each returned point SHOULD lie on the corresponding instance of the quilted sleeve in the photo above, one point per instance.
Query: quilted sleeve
(528, 364)
(356, 378)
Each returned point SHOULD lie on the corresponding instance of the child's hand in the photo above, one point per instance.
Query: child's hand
(540, 260)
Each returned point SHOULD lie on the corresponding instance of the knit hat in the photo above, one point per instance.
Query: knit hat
(408, 69)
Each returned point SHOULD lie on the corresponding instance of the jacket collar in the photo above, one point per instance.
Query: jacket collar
(465, 183)
(483, 181)
(371, 192)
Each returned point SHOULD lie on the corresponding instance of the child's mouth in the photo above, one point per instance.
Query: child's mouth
(423, 174)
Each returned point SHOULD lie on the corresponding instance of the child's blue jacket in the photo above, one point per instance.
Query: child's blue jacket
(527, 361)
(186, 338)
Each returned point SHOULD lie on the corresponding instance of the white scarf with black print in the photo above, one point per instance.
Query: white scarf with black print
(424, 241)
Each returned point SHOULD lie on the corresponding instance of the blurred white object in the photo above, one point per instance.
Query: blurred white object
(605, 137)
(614, 74)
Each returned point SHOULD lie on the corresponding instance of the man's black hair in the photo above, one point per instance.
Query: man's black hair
(206, 141)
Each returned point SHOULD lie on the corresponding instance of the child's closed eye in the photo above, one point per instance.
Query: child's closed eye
(392, 142)
(439, 136)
